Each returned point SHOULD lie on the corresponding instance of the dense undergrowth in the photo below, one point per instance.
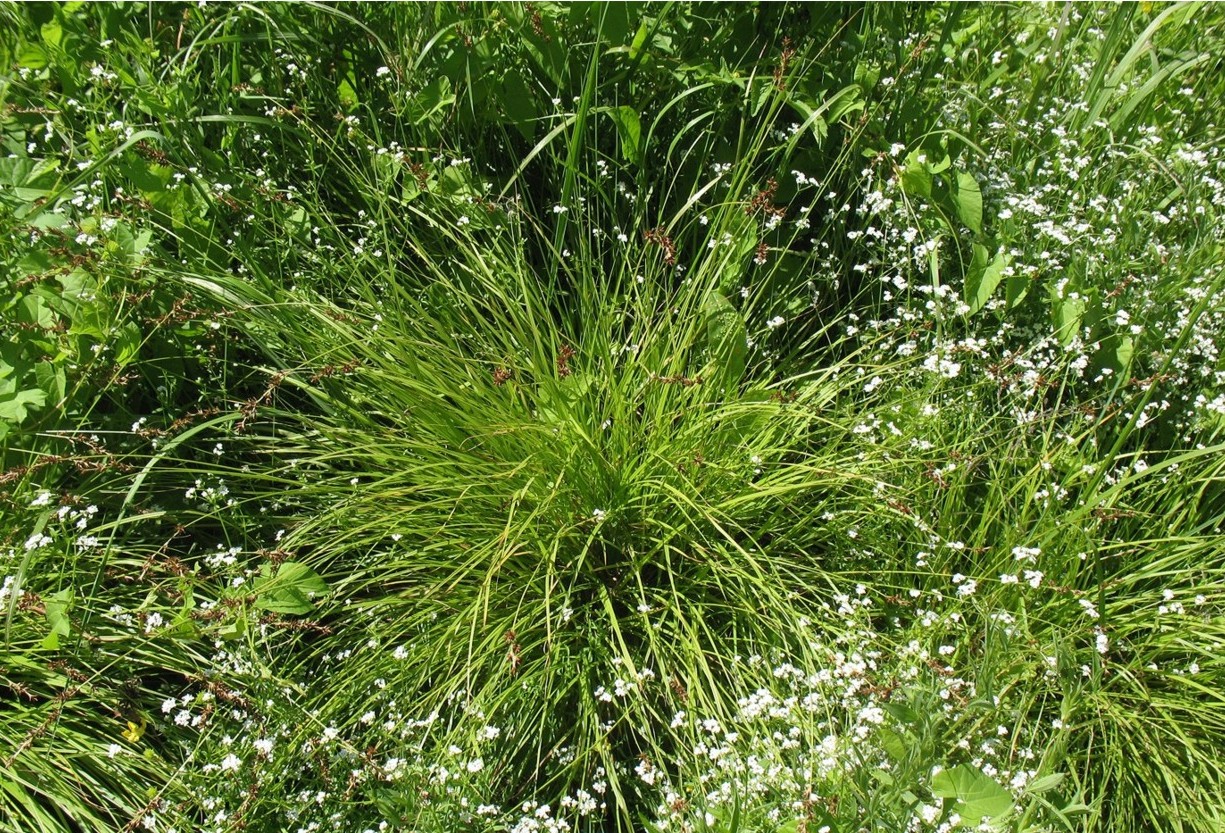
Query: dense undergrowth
(543, 417)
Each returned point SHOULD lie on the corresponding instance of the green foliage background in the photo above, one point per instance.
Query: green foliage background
(611, 417)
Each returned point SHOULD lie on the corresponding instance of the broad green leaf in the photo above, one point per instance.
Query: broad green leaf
(299, 575)
(52, 381)
(969, 200)
(433, 98)
(903, 713)
(1067, 315)
(56, 606)
(640, 40)
(32, 56)
(726, 338)
(149, 177)
(519, 104)
(233, 630)
(1116, 353)
(284, 600)
(737, 257)
(33, 310)
(866, 75)
(1015, 289)
(52, 33)
(48, 219)
(893, 744)
(14, 407)
(12, 365)
(1044, 784)
(917, 175)
(629, 131)
(978, 796)
(34, 263)
(184, 626)
(346, 94)
(618, 21)
(290, 590)
(983, 277)
(127, 344)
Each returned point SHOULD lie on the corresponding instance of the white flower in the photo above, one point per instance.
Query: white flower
(1026, 553)
(230, 763)
(37, 541)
